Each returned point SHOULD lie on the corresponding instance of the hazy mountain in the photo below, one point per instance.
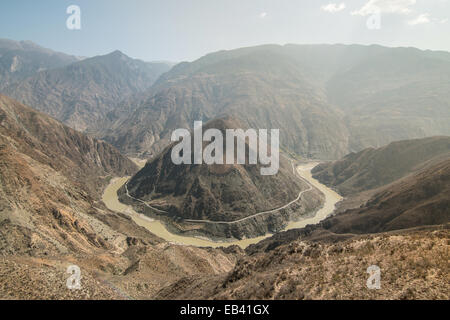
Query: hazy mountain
(261, 86)
(327, 100)
(21, 59)
(398, 94)
(82, 93)
(373, 168)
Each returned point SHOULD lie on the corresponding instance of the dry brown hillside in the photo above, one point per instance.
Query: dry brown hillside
(419, 199)
(51, 216)
(414, 265)
(373, 168)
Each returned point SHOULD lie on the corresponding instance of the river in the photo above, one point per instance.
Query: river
(112, 202)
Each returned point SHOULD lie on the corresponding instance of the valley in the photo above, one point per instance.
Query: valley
(361, 158)
(327, 100)
(220, 201)
(155, 226)
(327, 208)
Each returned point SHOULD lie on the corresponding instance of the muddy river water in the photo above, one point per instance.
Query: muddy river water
(111, 200)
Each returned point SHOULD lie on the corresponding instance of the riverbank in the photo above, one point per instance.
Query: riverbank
(110, 198)
(331, 198)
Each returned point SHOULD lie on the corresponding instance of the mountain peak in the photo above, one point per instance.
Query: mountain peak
(118, 54)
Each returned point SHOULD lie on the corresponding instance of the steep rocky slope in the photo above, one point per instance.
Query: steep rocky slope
(50, 174)
(222, 195)
(214, 192)
(402, 227)
(419, 199)
(51, 216)
(373, 168)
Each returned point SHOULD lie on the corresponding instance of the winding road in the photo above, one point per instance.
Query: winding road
(263, 212)
(303, 172)
(141, 201)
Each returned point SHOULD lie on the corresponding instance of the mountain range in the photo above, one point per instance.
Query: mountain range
(378, 117)
(22, 59)
(79, 93)
(327, 100)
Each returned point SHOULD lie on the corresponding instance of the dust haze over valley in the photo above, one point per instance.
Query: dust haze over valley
(87, 177)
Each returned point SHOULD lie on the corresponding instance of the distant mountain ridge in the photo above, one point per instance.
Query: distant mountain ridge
(327, 100)
(21, 59)
(82, 93)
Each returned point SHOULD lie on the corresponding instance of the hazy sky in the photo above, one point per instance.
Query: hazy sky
(177, 30)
